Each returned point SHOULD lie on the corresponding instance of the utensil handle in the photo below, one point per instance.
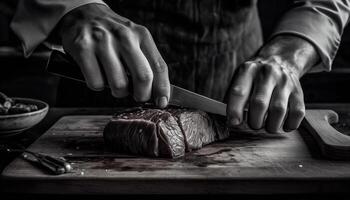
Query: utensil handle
(59, 162)
(48, 164)
(63, 65)
(43, 163)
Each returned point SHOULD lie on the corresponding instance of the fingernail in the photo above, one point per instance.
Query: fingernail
(234, 121)
(162, 102)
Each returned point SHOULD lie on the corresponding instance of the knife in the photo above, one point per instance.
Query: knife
(63, 65)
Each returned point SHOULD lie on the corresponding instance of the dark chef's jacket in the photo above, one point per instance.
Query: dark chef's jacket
(201, 40)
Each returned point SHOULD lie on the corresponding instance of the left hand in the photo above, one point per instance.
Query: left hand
(269, 85)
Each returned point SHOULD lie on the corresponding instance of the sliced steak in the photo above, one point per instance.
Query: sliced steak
(149, 132)
(198, 128)
(162, 133)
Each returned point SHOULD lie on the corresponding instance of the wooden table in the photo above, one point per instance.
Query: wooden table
(290, 165)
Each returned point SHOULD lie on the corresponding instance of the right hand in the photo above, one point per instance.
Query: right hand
(102, 42)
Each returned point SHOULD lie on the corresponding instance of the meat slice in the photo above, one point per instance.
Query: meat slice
(199, 128)
(162, 133)
(149, 132)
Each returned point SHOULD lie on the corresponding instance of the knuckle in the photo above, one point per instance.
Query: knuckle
(82, 43)
(276, 72)
(129, 24)
(269, 69)
(238, 91)
(124, 32)
(142, 30)
(160, 66)
(146, 77)
(298, 112)
(278, 107)
(259, 102)
(231, 110)
(162, 87)
(99, 34)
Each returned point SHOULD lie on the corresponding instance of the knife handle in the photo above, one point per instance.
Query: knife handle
(63, 65)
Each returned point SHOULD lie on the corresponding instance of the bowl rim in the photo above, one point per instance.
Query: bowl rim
(45, 108)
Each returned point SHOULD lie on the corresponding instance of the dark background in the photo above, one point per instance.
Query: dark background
(28, 78)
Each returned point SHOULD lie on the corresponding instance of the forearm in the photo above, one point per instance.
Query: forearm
(319, 22)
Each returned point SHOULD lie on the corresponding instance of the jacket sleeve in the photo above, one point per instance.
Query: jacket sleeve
(321, 22)
(35, 19)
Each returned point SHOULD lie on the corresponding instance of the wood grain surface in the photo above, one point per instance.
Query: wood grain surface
(333, 144)
(243, 164)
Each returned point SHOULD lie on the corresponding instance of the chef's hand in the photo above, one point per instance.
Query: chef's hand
(108, 46)
(269, 85)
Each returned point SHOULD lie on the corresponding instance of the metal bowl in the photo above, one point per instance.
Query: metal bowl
(13, 124)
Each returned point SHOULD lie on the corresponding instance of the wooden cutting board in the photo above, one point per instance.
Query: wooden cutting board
(241, 164)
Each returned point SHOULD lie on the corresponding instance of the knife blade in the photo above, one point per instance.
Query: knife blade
(186, 98)
(63, 65)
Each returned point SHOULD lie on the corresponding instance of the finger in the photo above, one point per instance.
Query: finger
(83, 53)
(296, 111)
(239, 92)
(161, 83)
(113, 68)
(264, 85)
(277, 110)
(137, 63)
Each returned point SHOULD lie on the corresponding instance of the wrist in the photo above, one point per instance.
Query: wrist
(291, 51)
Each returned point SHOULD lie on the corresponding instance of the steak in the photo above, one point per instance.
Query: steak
(165, 133)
